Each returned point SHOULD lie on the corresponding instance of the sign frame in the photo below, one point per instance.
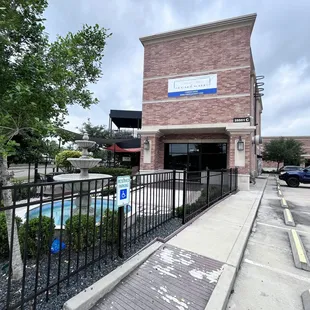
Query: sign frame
(123, 190)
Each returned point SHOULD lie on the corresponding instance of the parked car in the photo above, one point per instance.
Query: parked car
(295, 177)
(289, 168)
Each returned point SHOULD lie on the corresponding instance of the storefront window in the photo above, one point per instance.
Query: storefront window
(178, 148)
(195, 156)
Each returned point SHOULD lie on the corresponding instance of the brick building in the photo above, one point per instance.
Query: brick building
(200, 99)
(305, 140)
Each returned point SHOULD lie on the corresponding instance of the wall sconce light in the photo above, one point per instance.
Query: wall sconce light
(240, 144)
(146, 144)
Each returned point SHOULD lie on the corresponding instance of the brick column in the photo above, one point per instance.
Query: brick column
(152, 159)
(241, 159)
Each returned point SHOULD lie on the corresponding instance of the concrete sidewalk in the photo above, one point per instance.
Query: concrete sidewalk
(210, 250)
(222, 234)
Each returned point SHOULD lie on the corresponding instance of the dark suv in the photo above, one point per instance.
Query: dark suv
(289, 168)
(294, 178)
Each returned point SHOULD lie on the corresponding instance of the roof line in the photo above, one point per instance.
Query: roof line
(213, 26)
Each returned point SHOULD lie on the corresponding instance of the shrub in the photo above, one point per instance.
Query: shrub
(110, 226)
(62, 159)
(4, 243)
(111, 171)
(214, 193)
(45, 233)
(81, 233)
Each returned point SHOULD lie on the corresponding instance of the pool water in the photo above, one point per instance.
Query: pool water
(57, 208)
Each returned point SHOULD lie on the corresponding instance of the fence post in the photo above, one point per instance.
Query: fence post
(221, 183)
(173, 192)
(120, 231)
(184, 196)
(236, 181)
(208, 187)
(29, 172)
(230, 179)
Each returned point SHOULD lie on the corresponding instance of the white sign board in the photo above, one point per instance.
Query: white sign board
(126, 158)
(123, 190)
(192, 85)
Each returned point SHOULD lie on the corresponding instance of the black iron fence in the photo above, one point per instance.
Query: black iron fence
(73, 228)
(204, 188)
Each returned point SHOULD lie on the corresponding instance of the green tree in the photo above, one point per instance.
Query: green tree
(94, 131)
(287, 151)
(39, 80)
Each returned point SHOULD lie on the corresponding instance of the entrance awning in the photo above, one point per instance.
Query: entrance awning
(115, 148)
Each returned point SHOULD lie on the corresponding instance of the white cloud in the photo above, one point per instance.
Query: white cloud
(280, 48)
(286, 105)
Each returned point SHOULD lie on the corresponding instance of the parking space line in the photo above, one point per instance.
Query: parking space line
(280, 271)
(283, 228)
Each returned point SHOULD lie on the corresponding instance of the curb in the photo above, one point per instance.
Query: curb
(305, 296)
(223, 288)
(280, 193)
(222, 291)
(91, 295)
(299, 253)
(283, 203)
(288, 218)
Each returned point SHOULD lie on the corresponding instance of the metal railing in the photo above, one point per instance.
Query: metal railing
(204, 188)
(70, 229)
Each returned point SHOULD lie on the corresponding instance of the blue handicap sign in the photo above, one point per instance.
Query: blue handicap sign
(123, 194)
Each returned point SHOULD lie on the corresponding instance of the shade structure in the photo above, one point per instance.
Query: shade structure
(115, 148)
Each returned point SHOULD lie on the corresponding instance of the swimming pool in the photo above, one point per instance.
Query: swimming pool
(57, 209)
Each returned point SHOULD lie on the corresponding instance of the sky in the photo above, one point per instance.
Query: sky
(280, 45)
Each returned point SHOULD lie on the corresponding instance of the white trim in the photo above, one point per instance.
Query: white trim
(235, 131)
(178, 99)
(228, 126)
(194, 73)
(195, 141)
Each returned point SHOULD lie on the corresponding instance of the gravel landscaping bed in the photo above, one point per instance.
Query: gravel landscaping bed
(81, 280)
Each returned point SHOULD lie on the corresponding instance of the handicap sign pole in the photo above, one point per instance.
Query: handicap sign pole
(123, 198)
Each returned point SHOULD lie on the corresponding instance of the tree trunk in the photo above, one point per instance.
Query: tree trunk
(278, 166)
(14, 246)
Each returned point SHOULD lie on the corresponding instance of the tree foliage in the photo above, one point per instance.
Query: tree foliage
(39, 79)
(94, 131)
(287, 151)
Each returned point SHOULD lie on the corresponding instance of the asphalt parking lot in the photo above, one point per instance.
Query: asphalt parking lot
(268, 278)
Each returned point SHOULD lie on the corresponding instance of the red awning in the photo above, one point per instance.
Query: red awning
(115, 148)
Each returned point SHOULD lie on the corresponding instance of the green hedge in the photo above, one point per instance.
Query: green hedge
(31, 231)
(111, 171)
(83, 234)
(110, 226)
(4, 243)
(214, 193)
(80, 229)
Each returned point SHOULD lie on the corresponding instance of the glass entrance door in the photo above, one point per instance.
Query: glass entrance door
(194, 166)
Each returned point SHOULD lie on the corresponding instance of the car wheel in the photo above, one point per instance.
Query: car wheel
(293, 182)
